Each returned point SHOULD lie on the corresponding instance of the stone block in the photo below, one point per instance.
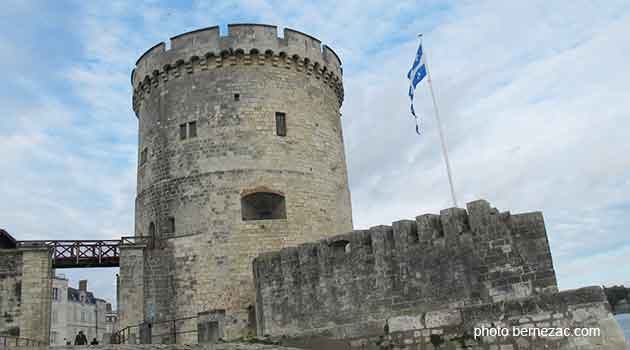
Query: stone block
(443, 318)
(405, 323)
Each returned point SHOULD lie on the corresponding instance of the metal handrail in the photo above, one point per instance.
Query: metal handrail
(122, 336)
(7, 340)
(54, 241)
(84, 253)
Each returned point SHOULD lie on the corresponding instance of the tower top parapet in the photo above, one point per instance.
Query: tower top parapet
(248, 38)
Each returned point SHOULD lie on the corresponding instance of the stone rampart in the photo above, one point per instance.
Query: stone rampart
(25, 292)
(456, 259)
(574, 319)
(11, 291)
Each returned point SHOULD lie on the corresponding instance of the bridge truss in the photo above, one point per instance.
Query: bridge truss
(82, 253)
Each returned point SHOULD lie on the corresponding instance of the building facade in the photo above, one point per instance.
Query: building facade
(75, 310)
(240, 152)
(111, 322)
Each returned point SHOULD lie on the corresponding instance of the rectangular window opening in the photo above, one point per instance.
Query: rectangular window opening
(170, 225)
(182, 131)
(281, 124)
(237, 97)
(192, 129)
(144, 155)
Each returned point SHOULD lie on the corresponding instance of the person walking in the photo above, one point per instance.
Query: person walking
(80, 339)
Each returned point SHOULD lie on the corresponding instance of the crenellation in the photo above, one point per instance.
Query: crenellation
(190, 66)
(454, 222)
(430, 263)
(478, 212)
(304, 46)
(330, 56)
(405, 232)
(250, 36)
(155, 51)
(529, 225)
(204, 38)
(429, 227)
(296, 50)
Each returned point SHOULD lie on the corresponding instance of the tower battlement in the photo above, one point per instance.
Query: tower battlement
(460, 257)
(243, 43)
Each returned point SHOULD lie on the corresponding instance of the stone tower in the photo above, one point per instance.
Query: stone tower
(240, 152)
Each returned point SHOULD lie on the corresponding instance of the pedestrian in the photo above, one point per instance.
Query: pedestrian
(80, 339)
(94, 342)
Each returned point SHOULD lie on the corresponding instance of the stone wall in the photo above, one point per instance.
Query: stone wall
(10, 291)
(224, 346)
(190, 188)
(25, 292)
(130, 287)
(36, 293)
(454, 259)
(454, 328)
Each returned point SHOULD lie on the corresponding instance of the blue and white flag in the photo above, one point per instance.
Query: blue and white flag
(415, 75)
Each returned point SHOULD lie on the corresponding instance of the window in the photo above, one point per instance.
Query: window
(82, 316)
(192, 129)
(281, 124)
(340, 247)
(170, 225)
(55, 294)
(237, 97)
(263, 206)
(188, 130)
(144, 155)
(213, 333)
(54, 316)
(152, 230)
(18, 291)
(182, 131)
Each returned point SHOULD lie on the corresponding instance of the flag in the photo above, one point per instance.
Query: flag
(415, 75)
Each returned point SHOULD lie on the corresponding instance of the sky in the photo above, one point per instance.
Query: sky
(533, 97)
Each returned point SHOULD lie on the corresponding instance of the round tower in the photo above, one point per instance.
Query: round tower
(240, 152)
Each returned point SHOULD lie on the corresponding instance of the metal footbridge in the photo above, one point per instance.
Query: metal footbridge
(68, 254)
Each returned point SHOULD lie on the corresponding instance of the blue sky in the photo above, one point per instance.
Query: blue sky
(533, 96)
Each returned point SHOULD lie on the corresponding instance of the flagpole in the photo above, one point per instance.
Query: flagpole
(439, 124)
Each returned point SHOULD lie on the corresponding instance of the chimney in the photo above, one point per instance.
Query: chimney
(83, 285)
